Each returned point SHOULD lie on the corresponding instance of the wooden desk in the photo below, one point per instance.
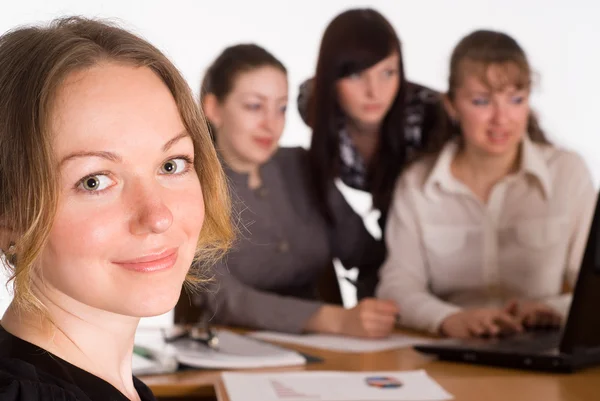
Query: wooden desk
(465, 382)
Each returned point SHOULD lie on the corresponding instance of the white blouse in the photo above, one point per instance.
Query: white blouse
(448, 250)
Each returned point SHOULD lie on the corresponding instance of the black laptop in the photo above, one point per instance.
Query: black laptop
(576, 346)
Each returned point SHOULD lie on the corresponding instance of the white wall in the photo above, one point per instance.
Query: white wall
(560, 37)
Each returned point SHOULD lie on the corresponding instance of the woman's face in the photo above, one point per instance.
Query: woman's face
(493, 118)
(250, 120)
(130, 207)
(366, 97)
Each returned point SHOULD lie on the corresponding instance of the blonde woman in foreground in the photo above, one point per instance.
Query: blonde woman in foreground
(109, 186)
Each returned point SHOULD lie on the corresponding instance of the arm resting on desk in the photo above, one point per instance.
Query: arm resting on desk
(235, 303)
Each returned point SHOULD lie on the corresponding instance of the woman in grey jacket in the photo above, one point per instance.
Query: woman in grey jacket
(285, 244)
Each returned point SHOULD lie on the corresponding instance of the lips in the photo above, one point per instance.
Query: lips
(372, 107)
(498, 137)
(266, 143)
(152, 262)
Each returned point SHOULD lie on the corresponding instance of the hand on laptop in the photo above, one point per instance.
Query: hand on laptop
(480, 322)
(534, 314)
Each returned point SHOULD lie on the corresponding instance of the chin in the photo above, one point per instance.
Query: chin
(499, 151)
(371, 119)
(156, 306)
(263, 156)
(152, 301)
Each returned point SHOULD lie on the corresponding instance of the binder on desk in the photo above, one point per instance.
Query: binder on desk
(234, 351)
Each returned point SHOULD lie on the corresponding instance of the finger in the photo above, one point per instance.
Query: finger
(387, 307)
(548, 318)
(531, 320)
(491, 327)
(507, 323)
(378, 329)
(512, 307)
(476, 328)
(379, 320)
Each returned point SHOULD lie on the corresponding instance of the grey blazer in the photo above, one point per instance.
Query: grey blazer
(268, 281)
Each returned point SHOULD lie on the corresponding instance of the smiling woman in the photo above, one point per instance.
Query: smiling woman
(106, 197)
(272, 275)
(484, 232)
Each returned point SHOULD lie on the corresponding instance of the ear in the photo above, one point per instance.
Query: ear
(212, 110)
(7, 239)
(449, 107)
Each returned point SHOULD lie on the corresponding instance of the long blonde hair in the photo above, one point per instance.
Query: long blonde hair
(34, 62)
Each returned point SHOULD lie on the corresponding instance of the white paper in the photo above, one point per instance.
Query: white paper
(236, 351)
(333, 386)
(163, 355)
(343, 343)
(144, 366)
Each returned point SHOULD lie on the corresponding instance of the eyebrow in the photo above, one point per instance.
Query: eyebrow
(171, 142)
(263, 97)
(480, 93)
(113, 157)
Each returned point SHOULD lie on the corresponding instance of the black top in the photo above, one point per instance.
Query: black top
(422, 109)
(29, 373)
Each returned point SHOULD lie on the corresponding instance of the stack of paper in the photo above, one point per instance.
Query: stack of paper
(333, 386)
(343, 343)
(235, 351)
(151, 355)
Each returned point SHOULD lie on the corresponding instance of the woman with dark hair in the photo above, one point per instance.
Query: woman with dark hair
(483, 233)
(270, 278)
(367, 120)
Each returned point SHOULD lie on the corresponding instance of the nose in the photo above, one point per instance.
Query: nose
(500, 113)
(372, 85)
(150, 214)
(272, 121)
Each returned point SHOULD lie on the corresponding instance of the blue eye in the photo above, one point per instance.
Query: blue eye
(283, 109)
(390, 72)
(480, 101)
(517, 99)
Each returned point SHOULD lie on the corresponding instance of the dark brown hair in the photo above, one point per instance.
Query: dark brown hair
(354, 41)
(34, 62)
(475, 54)
(233, 61)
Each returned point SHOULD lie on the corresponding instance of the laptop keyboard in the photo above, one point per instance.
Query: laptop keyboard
(529, 341)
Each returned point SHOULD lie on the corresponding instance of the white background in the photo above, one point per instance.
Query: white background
(562, 39)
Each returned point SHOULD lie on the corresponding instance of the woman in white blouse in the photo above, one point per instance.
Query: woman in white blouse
(483, 234)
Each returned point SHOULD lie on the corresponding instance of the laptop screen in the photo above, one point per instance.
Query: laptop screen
(582, 330)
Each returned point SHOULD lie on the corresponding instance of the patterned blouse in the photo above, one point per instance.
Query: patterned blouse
(422, 110)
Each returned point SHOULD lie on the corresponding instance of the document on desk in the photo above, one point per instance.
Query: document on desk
(235, 351)
(343, 343)
(334, 386)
